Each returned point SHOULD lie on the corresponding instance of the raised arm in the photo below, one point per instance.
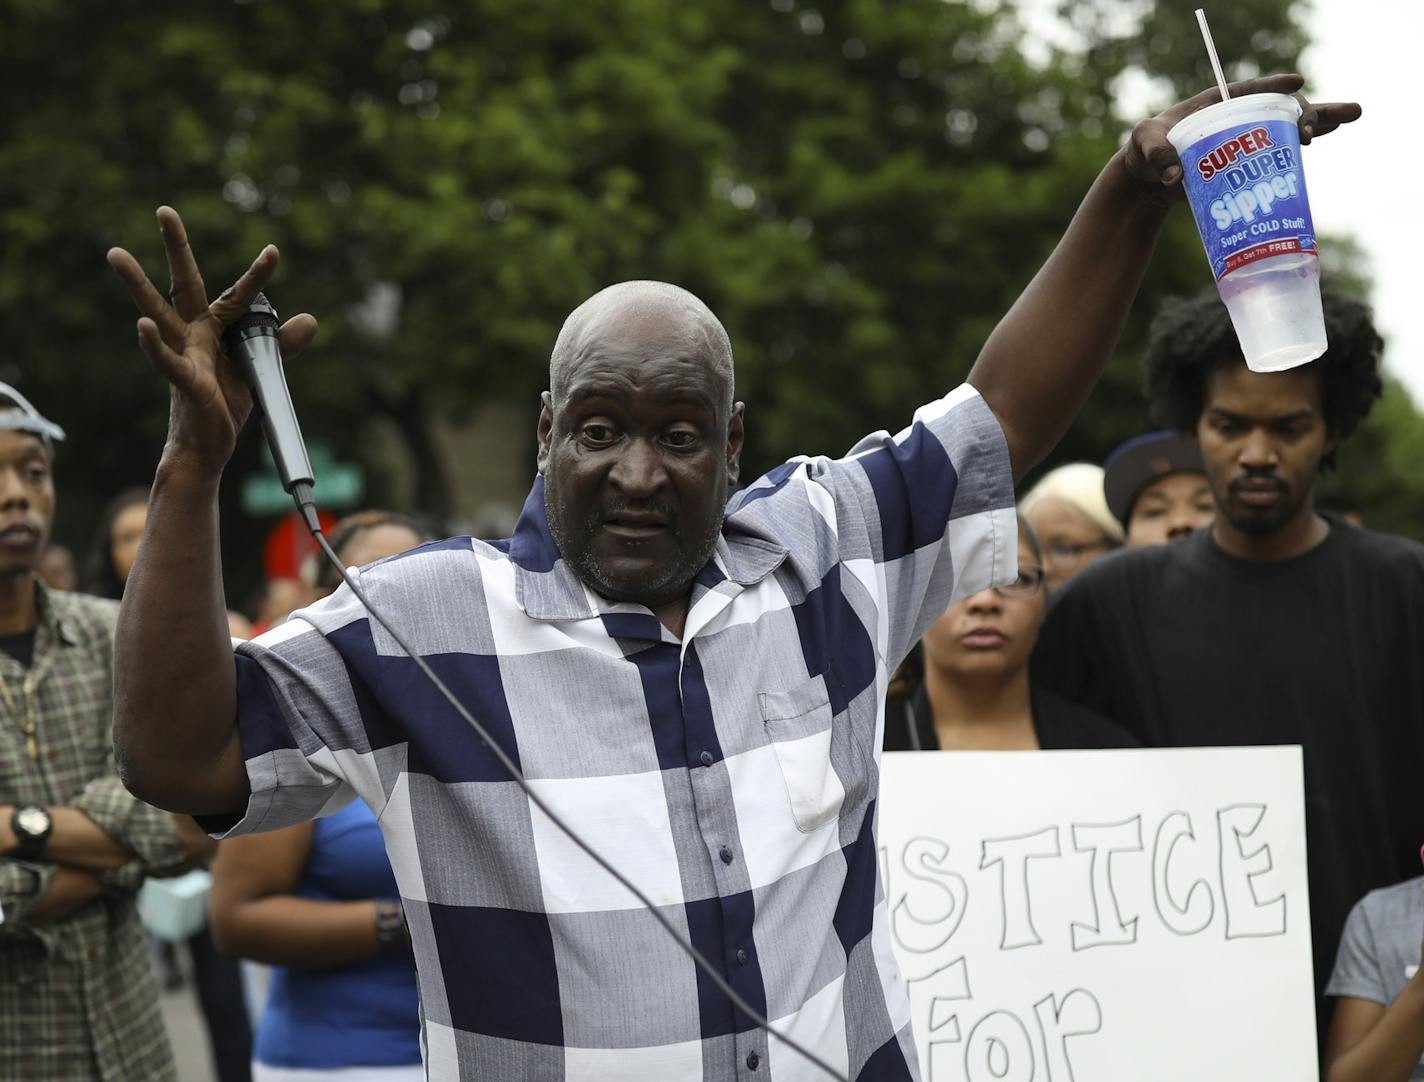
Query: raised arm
(175, 701)
(1037, 368)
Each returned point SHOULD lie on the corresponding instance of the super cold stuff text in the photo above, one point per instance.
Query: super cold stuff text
(1255, 205)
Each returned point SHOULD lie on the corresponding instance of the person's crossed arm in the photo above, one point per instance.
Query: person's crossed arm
(65, 878)
(1037, 368)
(1369, 1042)
(76, 841)
(83, 860)
(32, 895)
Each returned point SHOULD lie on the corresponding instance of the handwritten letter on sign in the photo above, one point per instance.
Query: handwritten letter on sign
(1102, 916)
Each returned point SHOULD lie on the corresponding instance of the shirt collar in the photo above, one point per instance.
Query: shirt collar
(51, 621)
(547, 588)
(52, 628)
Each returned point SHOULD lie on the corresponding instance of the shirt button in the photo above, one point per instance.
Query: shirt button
(707, 759)
(726, 855)
(752, 1060)
(741, 956)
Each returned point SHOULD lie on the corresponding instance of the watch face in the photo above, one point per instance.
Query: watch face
(33, 821)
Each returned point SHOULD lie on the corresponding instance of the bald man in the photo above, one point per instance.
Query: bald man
(694, 683)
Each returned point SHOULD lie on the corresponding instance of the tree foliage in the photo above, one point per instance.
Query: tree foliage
(859, 188)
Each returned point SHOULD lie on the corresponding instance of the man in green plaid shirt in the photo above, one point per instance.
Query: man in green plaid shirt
(77, 996)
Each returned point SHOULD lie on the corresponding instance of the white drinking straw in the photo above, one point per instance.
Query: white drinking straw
(1211, 52)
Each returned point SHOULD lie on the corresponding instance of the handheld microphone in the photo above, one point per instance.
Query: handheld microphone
(252, 342)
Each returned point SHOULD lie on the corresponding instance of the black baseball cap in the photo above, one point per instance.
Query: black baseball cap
(1140, 461)
(25, 418)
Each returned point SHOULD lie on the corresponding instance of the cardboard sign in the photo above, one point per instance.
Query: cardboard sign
(1102, 916)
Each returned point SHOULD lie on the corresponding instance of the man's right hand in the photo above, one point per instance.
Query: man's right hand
(176, 738)
(182, 336)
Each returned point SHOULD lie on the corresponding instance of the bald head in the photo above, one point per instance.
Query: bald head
(639, 441)
(641, 317)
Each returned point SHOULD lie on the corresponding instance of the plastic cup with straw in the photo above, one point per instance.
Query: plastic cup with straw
(1242, 171)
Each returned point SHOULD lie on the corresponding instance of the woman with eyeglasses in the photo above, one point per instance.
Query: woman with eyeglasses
(1069, 511)
(975, 693)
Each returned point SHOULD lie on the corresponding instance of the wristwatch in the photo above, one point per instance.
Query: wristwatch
(32, 825)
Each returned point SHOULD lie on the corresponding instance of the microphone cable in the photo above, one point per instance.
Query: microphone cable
(301, 493)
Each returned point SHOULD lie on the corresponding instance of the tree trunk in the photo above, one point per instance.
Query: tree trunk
(409, 414)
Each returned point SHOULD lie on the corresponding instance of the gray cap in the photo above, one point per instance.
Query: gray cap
(25, 418)
(1142, 460)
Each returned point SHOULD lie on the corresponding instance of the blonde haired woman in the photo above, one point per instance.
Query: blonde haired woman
(1070, 515)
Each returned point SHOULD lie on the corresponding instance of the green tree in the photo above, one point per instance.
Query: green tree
(1378, 475)
(860, 188)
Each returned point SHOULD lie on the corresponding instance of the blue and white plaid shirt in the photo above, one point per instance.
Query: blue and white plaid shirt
(731, 774)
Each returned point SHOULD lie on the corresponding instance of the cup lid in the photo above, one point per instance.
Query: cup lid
(1225, 114)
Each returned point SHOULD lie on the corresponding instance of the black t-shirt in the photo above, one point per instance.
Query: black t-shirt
(1059, 724)
(1185, 645)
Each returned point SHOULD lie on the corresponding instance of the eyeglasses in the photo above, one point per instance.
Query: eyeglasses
(1029, 582)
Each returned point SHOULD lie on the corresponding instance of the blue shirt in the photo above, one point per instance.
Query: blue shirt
(361, 1015)
(731, 772)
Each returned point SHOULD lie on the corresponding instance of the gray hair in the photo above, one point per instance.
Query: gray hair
(640, 299)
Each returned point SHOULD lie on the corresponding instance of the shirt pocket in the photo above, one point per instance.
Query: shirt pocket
(798, 726)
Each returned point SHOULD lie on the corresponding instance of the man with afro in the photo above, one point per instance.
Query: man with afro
(1281, 624)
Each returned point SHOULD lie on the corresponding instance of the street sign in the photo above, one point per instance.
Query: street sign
(338, 484)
